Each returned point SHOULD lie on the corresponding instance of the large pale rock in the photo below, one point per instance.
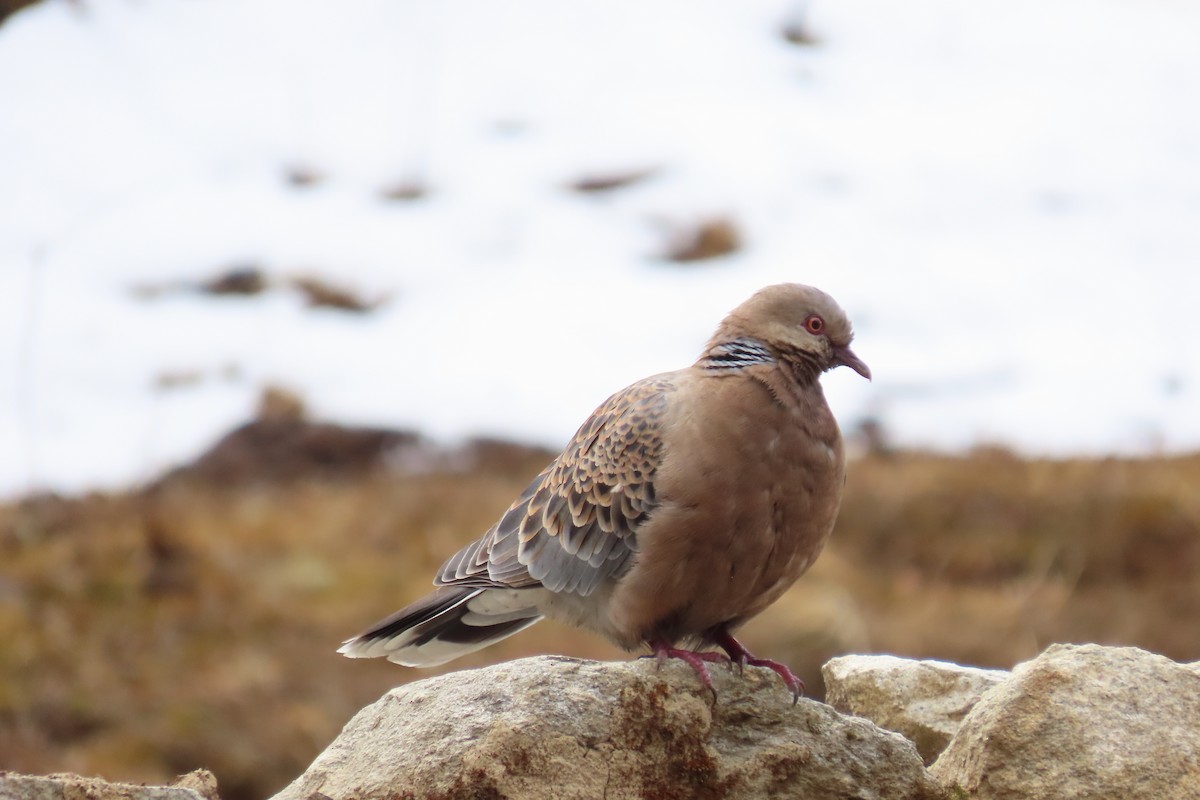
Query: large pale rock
(559, 728)
(198, 785)
(923, 700)
(1081, 722)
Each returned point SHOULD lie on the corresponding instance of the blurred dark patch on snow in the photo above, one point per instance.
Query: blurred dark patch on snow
(243, 280)
(303, 176)
(320, 293)
(249, 280)
(707, 239)
(602, 182)
(404, 190)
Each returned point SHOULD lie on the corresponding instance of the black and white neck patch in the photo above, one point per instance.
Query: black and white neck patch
(736, 354)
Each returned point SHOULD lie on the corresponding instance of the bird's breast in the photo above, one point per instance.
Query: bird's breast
(749, 492)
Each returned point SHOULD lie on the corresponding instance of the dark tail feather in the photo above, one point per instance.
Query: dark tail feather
(444, 625)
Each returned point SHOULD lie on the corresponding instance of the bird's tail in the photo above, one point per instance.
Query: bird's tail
(450, 622)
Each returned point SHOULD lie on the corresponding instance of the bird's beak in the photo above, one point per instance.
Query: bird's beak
(844, 357)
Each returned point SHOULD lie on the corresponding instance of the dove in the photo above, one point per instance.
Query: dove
(686, 504)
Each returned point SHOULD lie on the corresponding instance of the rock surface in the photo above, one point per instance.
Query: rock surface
(1082, 722)
(197, 785)
(551, 727)
(925, 701)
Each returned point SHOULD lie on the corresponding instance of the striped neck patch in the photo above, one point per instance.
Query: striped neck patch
(734, 355)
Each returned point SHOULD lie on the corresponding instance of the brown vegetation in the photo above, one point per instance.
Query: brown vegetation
(194, 622)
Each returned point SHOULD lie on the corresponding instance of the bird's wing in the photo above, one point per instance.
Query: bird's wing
(577, 522)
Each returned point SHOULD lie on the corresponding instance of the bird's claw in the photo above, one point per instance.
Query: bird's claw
(696, 659)
(738, 653)
(790, 678)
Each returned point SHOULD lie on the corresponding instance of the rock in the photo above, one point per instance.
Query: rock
(925, 701)
(551, 727)
(1082, 722)
(201, 781)
(197, 785)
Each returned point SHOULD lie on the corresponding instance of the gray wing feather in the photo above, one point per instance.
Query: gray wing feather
(576, 523)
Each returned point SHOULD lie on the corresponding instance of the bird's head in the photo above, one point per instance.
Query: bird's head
(794, 318)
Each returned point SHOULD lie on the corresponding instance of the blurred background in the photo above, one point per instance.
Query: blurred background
(295, 297)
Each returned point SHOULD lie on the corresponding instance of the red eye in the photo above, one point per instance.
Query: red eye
(814, 324)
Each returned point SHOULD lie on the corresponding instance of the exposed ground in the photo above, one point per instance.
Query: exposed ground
(194, 622)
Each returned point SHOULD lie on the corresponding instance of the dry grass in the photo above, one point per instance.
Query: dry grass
(194, 623)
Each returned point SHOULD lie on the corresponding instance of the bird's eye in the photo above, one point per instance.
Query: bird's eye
(814, 324)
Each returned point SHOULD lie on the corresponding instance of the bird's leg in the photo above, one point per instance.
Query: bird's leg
(737, 652)
(693, 658)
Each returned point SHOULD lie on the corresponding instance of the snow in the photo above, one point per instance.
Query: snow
(1003, 195)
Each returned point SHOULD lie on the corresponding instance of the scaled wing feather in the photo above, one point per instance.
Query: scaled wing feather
(576, 523)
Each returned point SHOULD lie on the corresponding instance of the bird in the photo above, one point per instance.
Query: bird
(684, 505)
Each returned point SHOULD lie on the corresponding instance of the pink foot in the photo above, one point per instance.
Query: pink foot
(743, 657)
(694, 658)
